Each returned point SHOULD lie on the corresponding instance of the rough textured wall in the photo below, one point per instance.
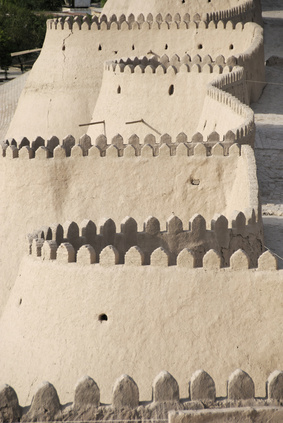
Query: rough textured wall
(77, 188)
(148, 97)
(270, 171)
(168, 6)
(252, 59)
(240, 402)
(216, 116)
(57, 99)
(171, 318)
(234, 415)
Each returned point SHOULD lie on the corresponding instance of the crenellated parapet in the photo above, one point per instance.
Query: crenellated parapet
(125, 402)
(240, 10)
(163, 65)
(230, 90)
(152, 146)
(110, 256)
(191, 246)
(120, 23)
(243, 13)
(192, 48)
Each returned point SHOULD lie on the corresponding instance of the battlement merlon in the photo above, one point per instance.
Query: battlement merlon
(152, 147)
(162, 76)
(125, 393)
(101, 46)
(133, 22)
(135, 256)
(206, 11)
(224, 239)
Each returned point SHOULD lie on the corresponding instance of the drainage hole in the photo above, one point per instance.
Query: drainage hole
(102, 317)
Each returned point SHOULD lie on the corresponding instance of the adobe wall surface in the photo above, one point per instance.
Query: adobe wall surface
(244, 415)
(160, 6)
(67, 95)
(136, 90)
(141, 97)
(130, 182)
(183, 296)
(172, 318)
(239, 404)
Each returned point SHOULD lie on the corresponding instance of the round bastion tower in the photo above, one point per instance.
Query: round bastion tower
(139, 246)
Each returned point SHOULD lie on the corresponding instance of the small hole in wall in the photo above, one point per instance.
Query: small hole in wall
(119, 90)
(99, 47)
(231, 47)
(102, 317)
(195, 181)
(183, 1)
(166, 46)
(200, 46)
(171, 89)
(133, 47)
(64, 47)
(20, 301)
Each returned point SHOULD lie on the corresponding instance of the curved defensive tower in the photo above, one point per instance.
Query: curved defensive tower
(139, 245)
(242, 10)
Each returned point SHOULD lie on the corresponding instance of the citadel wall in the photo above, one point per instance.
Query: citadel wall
(122, 179)
(239, 11)
(183, 319)
(181, 293)
(134, 89)
(67, 96)
(126, 404)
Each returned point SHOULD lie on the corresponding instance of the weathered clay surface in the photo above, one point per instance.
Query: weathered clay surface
(244, 415)
(165, 101)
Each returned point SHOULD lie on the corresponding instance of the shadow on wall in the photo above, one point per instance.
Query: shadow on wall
(269, 134)
(271, 5)
(273, 33)
(271, 99)
(269, 160)
(273, 235)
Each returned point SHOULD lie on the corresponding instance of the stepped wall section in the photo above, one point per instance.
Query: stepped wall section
(242, 11)
(126, 405)
(130, 181)
(67, 95)
(244, 232)
(135, 89)
(173, 318)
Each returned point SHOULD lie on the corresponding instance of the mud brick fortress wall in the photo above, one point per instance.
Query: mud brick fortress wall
(125, 402)
(131, 237)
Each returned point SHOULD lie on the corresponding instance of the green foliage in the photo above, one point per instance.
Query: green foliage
(5, 57)
(34, 4)
(102, 3)
(24, 29)
(22, 26)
